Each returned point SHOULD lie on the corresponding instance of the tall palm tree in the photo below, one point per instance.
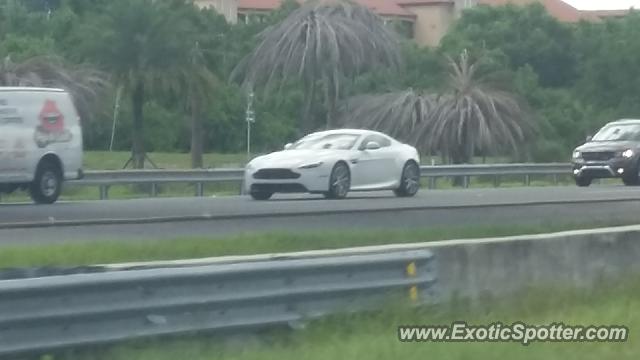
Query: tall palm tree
(398, 114)
(145, 45)
(474, 113)
(85, 84)
(199, 81)
(321, 43)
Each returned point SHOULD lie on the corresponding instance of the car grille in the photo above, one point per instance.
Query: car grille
(275, 174)
(598, 156)
(282, 188)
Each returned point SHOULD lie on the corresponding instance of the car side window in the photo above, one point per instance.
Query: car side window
(381, 140)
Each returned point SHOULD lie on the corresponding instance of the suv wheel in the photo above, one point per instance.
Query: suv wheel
(633, 178)
(583, 181)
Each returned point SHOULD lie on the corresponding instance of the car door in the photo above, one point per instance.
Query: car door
(370, 168)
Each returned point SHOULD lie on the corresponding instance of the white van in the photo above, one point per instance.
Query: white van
(40, 141)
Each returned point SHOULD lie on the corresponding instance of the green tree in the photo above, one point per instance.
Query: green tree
(149, 51)
(610, 66)
(517, 36)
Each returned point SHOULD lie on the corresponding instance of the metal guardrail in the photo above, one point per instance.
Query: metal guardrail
(105, 179)
(44, 314)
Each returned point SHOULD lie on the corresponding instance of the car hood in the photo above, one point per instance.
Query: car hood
(597, 146)
(292, 158)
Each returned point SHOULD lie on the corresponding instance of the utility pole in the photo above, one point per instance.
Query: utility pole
(116, 110)
(250, 118)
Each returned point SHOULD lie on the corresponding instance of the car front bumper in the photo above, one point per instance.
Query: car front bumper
(313, 180)
(612, 168)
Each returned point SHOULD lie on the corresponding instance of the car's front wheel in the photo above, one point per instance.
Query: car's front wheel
(339, 182)
(632, 178)
(409, 181)
(261, 195)
(583, 181)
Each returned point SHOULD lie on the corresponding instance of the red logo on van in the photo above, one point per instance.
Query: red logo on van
(51, 129)
(51, 118)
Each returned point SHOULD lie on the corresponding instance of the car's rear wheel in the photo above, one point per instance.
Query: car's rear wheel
(583, 181)
(47, 184)
(409, 181)
(339, 182)
(261, 195)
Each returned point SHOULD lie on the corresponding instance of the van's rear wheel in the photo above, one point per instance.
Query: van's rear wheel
(47, 184)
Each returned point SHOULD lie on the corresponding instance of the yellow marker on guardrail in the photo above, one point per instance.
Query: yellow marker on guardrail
(412, 271)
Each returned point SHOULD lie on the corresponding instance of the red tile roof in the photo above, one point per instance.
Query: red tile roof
(603, 14)
(259, 4)
(386, 7)
(423, 2)
(556, 8)
(381, 7)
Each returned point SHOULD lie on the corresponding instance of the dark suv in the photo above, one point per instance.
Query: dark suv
(613, 152)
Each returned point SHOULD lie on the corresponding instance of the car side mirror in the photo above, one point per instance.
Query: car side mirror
(372, 145)
(588, 138)
(286, 147)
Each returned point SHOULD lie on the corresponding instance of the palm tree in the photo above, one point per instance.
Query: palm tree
(85, 84)
(148, 51)
(321, 43)
(198, 82)
(476, 114)
(398, 114)
(473, 114)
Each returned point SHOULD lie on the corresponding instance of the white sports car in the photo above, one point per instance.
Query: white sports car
(335, 162)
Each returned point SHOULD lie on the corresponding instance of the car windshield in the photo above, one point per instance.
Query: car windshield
(333, 141)
(618, 132)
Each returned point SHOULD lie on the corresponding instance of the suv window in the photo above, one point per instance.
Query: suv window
(618, 132)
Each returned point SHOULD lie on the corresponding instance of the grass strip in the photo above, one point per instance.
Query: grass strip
(121, 250)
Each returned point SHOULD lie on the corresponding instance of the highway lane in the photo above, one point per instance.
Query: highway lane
(176, 217)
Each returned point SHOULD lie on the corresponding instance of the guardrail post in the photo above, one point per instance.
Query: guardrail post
(466, 181)
(199, 189)
(496, 181)
(154, 189)
(432, 182)
(527, 180)
(242, 189)
(104, 192)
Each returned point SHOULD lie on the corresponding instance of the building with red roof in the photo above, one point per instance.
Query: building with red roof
(427, 21)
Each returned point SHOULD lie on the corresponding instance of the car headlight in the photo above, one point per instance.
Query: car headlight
(311, 165)
(627, 153)
(576, 154)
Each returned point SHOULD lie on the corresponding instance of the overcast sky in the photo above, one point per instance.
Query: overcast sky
(604, 4)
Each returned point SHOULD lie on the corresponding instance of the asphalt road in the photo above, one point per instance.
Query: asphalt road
(196, 217)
